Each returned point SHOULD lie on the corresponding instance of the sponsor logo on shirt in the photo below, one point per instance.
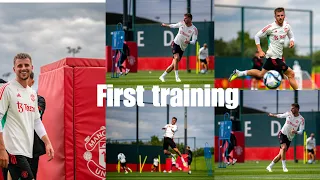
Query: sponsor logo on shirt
(292, 124)
(25, 107)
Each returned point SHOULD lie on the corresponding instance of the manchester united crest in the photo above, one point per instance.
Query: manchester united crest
(33, 98)
(95, 154)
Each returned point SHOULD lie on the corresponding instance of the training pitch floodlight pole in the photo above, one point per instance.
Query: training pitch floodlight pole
(73, 51)
(295, 139)
(185, 128)
(188, 50)
(137, 135)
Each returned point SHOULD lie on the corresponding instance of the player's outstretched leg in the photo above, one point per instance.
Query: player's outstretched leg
(274, 161)
(173, 65)
(167, 71)
(252, 72)
(283, 157)
(182, 159)
(290, 74)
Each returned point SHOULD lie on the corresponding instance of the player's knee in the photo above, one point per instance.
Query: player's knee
(284, 148)
(291, 74)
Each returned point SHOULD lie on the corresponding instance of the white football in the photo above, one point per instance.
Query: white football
(272, 79)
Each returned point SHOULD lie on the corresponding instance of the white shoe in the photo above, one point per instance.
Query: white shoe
(234, 161)
(127, 71)
(285, 169)
(269, 169)
(126, 172)
(189, 172)
(162, 79)
(178, 79)
(228, 163)
(170, 171)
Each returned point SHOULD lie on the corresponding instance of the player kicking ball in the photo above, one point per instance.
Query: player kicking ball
(276, 33)
(287, 133)
(170, 130)
(180, 43)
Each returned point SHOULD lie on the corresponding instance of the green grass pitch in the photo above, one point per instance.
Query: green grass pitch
(257, 170)
(201, 173)
(150, 78)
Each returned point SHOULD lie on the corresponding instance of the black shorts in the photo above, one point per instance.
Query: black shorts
(168, 142)
(229, 149)
(283, 139)
(189, 161)
(311, 151)
(122, 59)
(176, 49)
(19, 167)
(257, 67)
(203, 61)
(123, 164)
(275, 64)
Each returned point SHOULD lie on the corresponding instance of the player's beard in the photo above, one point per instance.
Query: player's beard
(24, 74)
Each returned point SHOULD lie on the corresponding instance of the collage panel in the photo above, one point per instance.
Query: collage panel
(159, 142)
(166, 47)
(265, 47)
(52, 60)
(156, 46)
(272, 133)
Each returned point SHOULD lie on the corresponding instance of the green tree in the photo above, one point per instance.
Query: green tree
(233, 47)
(155, 141)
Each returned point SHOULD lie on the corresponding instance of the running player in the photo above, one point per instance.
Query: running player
(203, 55)
(189, 152)
(124, 54)
(19, 105)
(293, 121)
(276, 33)
(257, 64)
(231, 144)
(123, 162)
(311, 147)
(155, 165)
(171, 129)
(180, 43)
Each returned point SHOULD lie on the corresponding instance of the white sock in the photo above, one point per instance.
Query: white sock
(182, 159)
(284, 164)
(271, 164)
(176, 72)
(242, 73)
(129, 169)
(164, 74)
